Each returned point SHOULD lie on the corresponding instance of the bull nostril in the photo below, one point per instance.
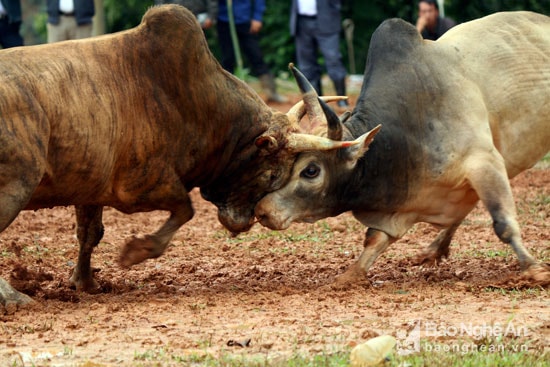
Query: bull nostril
(261, 214)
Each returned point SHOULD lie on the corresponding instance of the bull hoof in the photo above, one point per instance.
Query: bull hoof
(137, 250)
(83, 284)
(351, 277)
(12, 299)
(538, 275)
(430, 259)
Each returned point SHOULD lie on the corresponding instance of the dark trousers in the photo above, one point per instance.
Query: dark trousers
(308, 41)
(250, 46)
(9, 33)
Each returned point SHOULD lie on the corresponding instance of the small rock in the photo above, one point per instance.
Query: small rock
(372, 352)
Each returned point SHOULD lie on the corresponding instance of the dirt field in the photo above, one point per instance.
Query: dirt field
(270, 287)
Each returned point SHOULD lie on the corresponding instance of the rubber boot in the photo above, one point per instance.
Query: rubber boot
(270, 88)
(340, 88)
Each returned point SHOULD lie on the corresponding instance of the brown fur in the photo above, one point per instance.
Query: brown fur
(133, 120)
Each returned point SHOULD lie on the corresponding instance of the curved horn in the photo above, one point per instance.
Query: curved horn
(335, 129)
(309, 96)
(298, 111)
(303, 142)
(304, 84)
(310, 104)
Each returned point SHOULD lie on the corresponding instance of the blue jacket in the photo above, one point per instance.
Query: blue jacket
(13, 9)
(83, 11)
(243, 10)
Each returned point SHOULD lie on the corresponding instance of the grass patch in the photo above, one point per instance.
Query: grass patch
(487, 250)
(472, 359)
(204, 359)
(541, 200)
(432, 355)
(518, 293)
(544, 162)
(318, 233)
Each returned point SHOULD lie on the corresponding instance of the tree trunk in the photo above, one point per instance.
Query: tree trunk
(99, 18)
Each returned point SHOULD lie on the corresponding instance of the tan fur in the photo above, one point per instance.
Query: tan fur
(464, 113)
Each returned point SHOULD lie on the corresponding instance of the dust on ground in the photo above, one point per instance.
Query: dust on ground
(270, 287)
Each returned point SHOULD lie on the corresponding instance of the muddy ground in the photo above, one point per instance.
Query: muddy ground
(270, 287)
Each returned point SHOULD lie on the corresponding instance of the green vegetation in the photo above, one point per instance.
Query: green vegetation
(473, 359)
(434, 355)
(320, 232)
(168, 357)
(276, 42)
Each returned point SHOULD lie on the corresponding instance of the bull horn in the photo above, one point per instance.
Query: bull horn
(304, 84)
(304, 142)
(309, 96)
(298, 111)
(335, 127)
(309, 105)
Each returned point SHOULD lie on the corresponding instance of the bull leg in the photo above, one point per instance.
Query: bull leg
(376, 242)
(439, 248)
(14, 196)
(493, 188)
(152, 246)
(89, 232)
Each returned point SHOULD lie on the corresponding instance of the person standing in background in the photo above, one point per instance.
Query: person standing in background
(69, 19)
(10, 23)
(316, 25)
(206, 11)
(429, 24)
(248, 23)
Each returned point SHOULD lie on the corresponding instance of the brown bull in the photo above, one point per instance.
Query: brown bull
(134, 121)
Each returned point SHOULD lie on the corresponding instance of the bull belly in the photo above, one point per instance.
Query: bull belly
(438, 206)
(46, 196)
(50, 201)
(447, 208)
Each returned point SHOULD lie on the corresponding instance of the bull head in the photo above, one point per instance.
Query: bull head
(265, 166)
(272, 158)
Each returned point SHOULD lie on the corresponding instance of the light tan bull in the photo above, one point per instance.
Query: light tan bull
(460, 116)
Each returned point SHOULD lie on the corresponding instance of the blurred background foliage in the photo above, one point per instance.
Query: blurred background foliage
(277, 45)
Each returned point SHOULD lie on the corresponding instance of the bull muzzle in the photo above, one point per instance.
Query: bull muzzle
(236, 222)
(268, 217)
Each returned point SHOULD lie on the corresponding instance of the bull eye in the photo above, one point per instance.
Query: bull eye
(311, 171)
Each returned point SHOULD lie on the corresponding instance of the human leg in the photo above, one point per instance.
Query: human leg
(330, 49)
(83, 31)
(250, 44)
(9, 34)
(306, 52)
(226, 46)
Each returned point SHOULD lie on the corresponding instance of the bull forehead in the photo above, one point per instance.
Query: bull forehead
(236, 194)
(244, 184)
(280, 127)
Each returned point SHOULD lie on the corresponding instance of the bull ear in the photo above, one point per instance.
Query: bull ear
(267, 143)
(345, 116)
(355, 152)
